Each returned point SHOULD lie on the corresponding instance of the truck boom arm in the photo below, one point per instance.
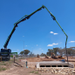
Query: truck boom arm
(27, 17)
(15, 25)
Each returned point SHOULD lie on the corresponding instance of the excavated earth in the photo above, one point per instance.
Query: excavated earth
(17, 70)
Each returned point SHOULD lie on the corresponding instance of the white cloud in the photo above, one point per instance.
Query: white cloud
(52, 44)
(55, 43)
(53, 33)
(37, 45)
(71, 41)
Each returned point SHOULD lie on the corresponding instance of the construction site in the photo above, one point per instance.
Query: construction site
(62, 63)
(54, 65)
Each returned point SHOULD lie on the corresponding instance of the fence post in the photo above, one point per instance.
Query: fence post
(14, 58)
(0, 58)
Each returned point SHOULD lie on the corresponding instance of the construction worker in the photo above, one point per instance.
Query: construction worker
(26, 64)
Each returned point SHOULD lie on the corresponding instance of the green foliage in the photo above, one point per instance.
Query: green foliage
(32, 72)
(49, 52)
(36, 72)
(55, 50)
(70, 51)
(11, 55)
(2, 69)
(14, 53)
(3, 63)
(25, 52)
(42, 54)
(22, 52)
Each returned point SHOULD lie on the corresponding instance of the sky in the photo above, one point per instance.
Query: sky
(40, 32)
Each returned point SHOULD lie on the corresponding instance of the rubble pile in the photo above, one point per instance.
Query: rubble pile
(56, 70)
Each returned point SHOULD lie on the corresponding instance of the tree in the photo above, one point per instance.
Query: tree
(31, 54)
(26, 52)
(62, 51)
(22, 52)
(49, 52)
(71, 51)
(55, 50)
(72, 47)
(42, 54)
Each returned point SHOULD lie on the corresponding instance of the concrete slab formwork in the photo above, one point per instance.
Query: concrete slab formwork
(54, 64)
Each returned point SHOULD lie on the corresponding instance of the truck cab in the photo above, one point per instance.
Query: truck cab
(5, 54)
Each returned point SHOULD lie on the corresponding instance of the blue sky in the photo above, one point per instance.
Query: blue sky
(40, 32)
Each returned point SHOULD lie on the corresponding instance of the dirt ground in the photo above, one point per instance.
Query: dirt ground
(17, 70)
(35, 59)
(22, 71)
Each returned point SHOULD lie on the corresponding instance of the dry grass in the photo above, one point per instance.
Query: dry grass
(2, 69)
(4, 65)
(35, 72)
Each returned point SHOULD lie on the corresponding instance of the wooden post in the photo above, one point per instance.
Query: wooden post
(14, 58)
(0, 58)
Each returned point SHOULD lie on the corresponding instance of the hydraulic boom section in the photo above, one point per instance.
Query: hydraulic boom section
(27, 17)
(16, 24)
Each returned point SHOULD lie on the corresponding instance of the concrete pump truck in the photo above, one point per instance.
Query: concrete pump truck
(5, 52)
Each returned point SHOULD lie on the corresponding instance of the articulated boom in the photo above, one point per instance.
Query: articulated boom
(27, 17)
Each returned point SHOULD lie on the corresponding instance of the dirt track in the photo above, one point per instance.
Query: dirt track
(21, 71)
(16, 71)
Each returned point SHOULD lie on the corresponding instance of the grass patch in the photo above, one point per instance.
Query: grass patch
(5, 65)
(2, 63)
(2, 69)
(36, 72)
(32, 72)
